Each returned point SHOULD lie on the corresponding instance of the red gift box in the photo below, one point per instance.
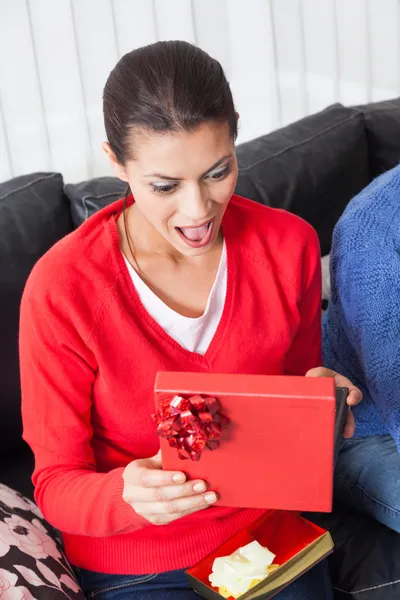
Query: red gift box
(297, 543)
(275, 452)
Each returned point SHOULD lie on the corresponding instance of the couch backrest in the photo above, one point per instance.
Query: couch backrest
(382, 126)
(311, 168)
(34, 214)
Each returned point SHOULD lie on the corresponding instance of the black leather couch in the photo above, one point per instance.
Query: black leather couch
(312, 168)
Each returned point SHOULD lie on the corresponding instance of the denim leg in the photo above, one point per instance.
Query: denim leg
(313, 585)
(367, 477)
(172, 585)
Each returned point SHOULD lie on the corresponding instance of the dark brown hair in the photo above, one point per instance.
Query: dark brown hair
(164, 87)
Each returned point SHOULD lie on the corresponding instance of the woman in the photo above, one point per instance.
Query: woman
(181, 275)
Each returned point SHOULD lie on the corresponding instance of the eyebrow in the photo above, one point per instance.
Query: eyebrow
(168, 178)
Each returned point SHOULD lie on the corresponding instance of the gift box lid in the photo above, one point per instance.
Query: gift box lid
(277, 451)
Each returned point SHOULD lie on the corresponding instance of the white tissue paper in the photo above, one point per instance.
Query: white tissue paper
(237, 571)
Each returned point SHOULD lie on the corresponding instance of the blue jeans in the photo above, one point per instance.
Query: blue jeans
(367, 477)
(173, 585)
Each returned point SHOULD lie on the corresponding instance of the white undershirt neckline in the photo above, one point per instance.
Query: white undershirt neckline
(193, 334)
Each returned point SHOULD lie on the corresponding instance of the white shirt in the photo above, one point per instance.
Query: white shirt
(194, 335)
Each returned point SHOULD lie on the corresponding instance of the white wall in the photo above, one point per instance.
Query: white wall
(284, 59)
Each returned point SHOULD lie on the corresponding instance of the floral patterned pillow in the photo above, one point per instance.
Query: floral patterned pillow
(32, 562)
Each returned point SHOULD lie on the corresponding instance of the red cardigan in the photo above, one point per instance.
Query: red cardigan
(89, 353)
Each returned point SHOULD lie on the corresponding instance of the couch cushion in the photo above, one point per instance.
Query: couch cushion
(34, 214)
(382, 122)
(311, 168)
(366, 561)
(88, 197)
(32, 562)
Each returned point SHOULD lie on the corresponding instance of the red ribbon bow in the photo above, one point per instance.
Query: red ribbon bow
(190, 424)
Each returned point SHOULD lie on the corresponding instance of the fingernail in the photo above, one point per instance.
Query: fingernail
(200, 486)
(210, 498)
(178, 478)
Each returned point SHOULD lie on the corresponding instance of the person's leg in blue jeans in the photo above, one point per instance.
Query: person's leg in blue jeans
(367, 477)
(313, 585)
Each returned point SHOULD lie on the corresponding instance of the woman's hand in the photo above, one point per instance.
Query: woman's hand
(354, 397)
(163, 496)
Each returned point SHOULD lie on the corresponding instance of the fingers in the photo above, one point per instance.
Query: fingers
(320, 372)
(355, 395)
(168, 492)
(163, 496)
(175, 507)
(143, 473)
(156, 478)
(156, 461)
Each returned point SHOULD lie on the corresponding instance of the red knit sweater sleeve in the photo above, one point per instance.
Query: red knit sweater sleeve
(57, 373)
(306, 350)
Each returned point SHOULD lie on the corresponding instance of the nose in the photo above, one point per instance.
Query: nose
(195, 204)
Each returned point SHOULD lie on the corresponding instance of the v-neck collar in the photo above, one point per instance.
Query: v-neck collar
(169, 313)
(132, 294)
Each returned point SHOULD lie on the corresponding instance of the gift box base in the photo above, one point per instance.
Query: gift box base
(298, 544)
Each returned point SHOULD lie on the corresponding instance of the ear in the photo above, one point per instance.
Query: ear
(237, 115)
(119, 169)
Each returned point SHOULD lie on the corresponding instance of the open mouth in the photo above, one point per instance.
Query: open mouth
(197, 237)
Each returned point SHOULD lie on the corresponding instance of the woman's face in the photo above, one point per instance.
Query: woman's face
(182, 183)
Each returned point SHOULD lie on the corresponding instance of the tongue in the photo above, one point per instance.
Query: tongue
(195, 234)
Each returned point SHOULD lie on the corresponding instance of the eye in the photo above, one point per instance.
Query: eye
(163, 188)
(219, 173)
